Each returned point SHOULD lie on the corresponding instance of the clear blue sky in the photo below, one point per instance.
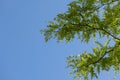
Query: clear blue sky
(23, 53)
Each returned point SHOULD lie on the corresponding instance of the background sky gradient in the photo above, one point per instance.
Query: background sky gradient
(23, 53)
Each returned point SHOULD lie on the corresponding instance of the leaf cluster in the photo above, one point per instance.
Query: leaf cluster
(88, 19)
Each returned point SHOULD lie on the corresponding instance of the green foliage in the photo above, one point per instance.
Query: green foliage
(87, 19)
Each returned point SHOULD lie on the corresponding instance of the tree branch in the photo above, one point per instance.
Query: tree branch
(101, 57)
(102, 5)
(98, 60)
(110, 34)
(104, 31)
(101, 29)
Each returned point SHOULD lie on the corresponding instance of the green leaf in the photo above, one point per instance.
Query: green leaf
(99, 44)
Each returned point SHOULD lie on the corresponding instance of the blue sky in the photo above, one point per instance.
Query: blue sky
(23, 53)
